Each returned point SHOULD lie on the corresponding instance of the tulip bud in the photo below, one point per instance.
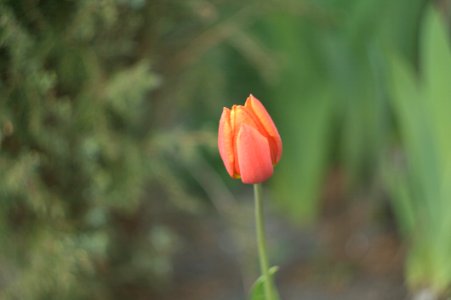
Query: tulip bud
(248, 141)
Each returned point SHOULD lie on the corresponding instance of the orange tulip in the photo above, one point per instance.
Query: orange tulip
(248, 141)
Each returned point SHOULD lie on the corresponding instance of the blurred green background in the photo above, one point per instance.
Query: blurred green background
(111, 186)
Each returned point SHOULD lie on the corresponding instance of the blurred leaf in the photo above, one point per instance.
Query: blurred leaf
(258, 289)
(301, 172)
(126, 100)
(421, 195)
(436, 71)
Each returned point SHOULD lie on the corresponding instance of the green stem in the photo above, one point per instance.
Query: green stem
(261, 242)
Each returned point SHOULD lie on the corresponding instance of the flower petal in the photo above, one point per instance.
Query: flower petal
(256, 107)
(225, 142)
(239, 116)
(254, 156)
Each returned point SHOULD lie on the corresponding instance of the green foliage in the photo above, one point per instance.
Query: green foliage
(74, 151)
(422, 193)
(330, 98)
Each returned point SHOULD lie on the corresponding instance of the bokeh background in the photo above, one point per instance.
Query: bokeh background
(111, 186)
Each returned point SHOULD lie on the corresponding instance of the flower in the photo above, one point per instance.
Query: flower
(248, 141)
